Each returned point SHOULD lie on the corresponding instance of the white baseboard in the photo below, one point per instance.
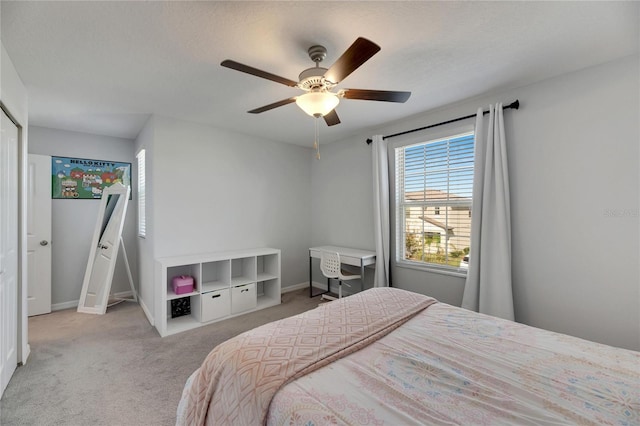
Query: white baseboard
(294, 287)
(300, 286)
(64, 305)
(26, 351)
(146, 311)
(74, 303)
(123, 295)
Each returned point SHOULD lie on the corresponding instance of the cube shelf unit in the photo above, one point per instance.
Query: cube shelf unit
(226, 284)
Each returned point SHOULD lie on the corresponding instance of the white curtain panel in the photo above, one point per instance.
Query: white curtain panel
(488, 287)
(381, 210)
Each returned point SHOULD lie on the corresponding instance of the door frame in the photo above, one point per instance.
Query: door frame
(23, 347)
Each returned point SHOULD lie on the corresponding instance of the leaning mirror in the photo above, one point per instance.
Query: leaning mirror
(104, 250)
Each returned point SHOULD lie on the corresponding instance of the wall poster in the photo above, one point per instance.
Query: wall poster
(84, 178)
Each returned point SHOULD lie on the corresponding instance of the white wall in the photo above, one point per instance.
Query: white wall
(573, 151)
(13, 96)
(74, 221)
(342, 201)
(576, 159)
(343, 195)
(146, 254)
(215, 190)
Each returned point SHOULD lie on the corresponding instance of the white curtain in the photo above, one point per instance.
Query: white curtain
(381, 210)
(488, 287)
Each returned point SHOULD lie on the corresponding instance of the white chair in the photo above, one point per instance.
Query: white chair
(331, 268)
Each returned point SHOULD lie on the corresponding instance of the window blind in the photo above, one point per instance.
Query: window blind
(142, 218)
(434, 190)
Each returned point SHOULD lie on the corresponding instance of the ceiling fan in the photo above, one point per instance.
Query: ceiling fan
(317, 82)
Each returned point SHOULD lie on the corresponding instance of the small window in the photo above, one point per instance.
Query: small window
(142, 218)
(433, 195)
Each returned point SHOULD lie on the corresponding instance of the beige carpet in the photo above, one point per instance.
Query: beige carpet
(115, 369)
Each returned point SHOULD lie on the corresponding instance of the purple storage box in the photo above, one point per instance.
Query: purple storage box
(182, 284)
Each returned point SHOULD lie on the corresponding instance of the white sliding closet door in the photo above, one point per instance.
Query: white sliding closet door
(8, 250)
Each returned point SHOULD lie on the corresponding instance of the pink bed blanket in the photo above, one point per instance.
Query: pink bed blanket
(239, 378)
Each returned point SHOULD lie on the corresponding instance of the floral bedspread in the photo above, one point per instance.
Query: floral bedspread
(451, 366)
(237, 380)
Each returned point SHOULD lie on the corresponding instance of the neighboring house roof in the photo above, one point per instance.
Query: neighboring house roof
(436, 223)
(437, 195)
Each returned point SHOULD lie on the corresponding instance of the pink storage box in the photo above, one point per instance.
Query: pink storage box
(182, 284)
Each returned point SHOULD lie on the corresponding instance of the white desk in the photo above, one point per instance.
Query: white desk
(348, 256)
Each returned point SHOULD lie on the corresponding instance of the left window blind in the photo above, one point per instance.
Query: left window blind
(142, 217)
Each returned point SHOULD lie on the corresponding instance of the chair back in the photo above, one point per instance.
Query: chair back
(330, 264)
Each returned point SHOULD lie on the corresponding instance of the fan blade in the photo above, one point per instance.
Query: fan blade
(357, 54)
(272, 106)
(376, 95)
(258, 73)
(332, 118)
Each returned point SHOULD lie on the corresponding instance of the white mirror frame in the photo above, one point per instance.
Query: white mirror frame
(102, 277)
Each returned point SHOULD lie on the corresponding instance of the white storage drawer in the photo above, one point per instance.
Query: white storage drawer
(215, 304)
(243, 298)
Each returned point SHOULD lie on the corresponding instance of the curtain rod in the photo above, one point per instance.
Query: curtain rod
(514, 105)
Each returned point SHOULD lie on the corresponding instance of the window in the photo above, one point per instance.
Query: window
(142, 218)
(434, 187)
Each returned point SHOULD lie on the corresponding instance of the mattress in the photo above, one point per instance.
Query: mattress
(447, 365)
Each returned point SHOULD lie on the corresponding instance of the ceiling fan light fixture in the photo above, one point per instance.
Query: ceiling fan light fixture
(318, 104)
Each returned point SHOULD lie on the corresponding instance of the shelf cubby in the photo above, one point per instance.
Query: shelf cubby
(243, 271)
(225, 285)
(216, 275)
(192, 270)
(267, 267)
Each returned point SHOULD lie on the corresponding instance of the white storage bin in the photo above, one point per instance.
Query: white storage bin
(243, 298)
(215, 304)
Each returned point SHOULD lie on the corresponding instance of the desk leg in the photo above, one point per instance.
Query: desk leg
(310, 279)
(361, 276)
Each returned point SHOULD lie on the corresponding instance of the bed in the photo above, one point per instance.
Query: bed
(389, 356)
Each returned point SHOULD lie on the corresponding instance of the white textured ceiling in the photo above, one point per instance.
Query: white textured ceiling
(104, 67)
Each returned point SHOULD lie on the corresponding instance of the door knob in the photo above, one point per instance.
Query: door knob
(44, 242)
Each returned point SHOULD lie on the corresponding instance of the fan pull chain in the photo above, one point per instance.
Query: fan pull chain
(315, 133)
(316, 142)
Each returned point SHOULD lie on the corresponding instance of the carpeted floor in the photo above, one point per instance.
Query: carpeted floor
(115, 369)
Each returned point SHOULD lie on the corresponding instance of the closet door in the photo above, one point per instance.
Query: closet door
(8, 250)
(39, 235)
